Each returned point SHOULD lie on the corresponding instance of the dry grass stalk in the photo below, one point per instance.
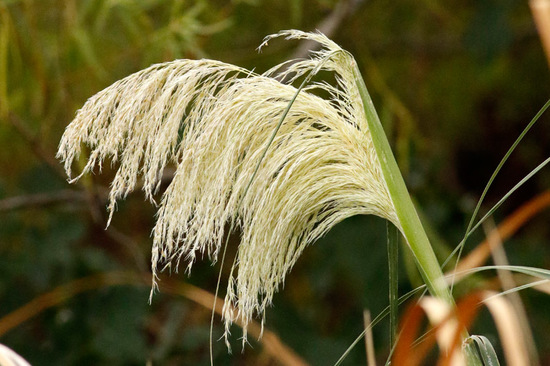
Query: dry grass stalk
(271, 342)
(447, 329)
(8, 357)
(509, 328)
(508, 284)
(541, 15)
(439, 314)
(369, 339)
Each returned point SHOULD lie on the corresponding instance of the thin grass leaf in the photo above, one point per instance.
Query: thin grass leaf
(530, 271)
(375, 321)
(519, 288)
(470, 229)
(543, 274)
(495, 207)
(485, 350)
(510, 192)
(510, 225)
(501, 164)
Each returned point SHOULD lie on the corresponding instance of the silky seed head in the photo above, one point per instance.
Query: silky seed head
(213, 121)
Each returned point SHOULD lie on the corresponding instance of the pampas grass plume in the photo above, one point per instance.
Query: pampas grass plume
(213, 122)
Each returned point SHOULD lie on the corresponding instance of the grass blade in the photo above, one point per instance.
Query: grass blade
(518, 185)
(541, 273)
(412, 228)
(499, 167)
(393, 265)
(470, 229)
(484, 349)
(459, 247)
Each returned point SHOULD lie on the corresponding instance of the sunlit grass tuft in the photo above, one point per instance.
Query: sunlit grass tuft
(214, 121)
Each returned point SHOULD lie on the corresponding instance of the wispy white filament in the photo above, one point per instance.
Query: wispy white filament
(213, 121)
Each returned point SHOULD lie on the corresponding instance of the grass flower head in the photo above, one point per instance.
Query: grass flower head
(213, 121)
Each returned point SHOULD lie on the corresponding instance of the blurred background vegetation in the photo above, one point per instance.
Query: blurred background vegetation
(454, 82)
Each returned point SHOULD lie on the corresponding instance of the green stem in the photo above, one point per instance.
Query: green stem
(411, 227)
(393, 265)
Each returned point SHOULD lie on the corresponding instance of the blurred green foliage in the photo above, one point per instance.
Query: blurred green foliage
(454, 83)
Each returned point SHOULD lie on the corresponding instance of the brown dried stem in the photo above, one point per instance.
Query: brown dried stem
(505, 230)
(270, 341)
(541, 15)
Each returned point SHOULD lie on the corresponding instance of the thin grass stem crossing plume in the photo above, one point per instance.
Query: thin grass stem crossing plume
(214, 121)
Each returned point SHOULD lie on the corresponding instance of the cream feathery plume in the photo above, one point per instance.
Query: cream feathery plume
(214, 121)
